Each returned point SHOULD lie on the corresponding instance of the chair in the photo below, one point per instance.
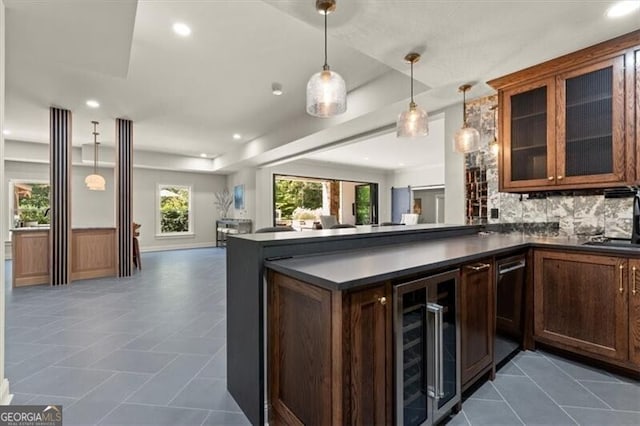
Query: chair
(137, 262)
(274, 229)
(328, 221)
(409, 218)
(342, 225)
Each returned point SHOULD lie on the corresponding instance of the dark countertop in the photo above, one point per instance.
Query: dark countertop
(349, 269)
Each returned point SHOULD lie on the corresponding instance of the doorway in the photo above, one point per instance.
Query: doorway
(366, 202)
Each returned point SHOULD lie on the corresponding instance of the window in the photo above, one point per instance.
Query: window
(175, 210)
(29, 203)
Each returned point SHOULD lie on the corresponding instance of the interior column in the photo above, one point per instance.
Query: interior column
(124, 213)
(60, 203)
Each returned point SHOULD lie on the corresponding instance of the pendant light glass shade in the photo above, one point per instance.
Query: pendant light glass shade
(414, 122)
(326, 94)
(94, 181)
(326, 90)
(467, 139)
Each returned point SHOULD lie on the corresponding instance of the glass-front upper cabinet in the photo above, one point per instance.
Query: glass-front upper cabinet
(591, 124)
(528, 157)
(566, 131)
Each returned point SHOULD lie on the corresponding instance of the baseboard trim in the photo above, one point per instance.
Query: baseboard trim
(178, 247)
(5, 396)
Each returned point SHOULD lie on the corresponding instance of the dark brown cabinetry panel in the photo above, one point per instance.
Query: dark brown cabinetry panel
(330, 356)
(634, 312)
(581, 303)
(477, 315)
(583, 104)
(369, 356)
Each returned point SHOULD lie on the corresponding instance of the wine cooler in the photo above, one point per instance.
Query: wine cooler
(427, 348)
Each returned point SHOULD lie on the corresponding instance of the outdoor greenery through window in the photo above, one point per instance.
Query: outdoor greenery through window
(30, 204)
(292, 195)
(175, 209)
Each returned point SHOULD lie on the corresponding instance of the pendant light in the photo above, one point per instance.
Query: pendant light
(95, 182)
(414, 122)
(467, 139)
(494, 146)
(326, 90)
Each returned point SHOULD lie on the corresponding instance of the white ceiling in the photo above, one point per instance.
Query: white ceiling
(189, 95)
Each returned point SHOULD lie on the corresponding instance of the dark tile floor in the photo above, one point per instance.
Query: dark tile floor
(150, 349)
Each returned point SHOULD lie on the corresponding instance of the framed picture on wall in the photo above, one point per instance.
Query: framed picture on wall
(238, 197)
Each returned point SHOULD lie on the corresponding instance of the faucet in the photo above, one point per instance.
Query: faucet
(635, 233)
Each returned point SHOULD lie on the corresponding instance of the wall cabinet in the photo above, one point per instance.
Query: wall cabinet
(477, 317)
(588, 304)
(569, 123)
(329, 355)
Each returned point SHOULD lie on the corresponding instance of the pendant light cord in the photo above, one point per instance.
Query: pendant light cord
(412, 83)
(464, 107)
(326, 65)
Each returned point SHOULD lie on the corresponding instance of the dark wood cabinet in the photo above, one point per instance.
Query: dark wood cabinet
(634, 312)
(330, 354)
(369, 356)
(581, 303)
(477, 316)
(569, 123)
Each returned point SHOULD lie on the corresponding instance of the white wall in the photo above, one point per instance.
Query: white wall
(246, 177)
(347, 198)
(146, 203)
(419, 176)
(264, 185)
(453, 168)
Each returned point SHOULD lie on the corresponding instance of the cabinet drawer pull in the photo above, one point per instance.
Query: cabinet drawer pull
(621, 289)
(479, 267)
(633, 281)
(560, 177)
(550, 178)
(382, 300)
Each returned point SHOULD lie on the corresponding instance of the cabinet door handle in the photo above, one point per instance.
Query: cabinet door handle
(479, 267)
(633, 280)
(382, 300)
(560, 177)
(621, 289)
(550, 178)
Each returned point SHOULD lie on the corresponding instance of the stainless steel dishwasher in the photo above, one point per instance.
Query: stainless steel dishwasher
(510, 280)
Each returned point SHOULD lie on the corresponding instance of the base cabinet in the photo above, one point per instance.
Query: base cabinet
(329, 354)
(477, 316)
(586, 304)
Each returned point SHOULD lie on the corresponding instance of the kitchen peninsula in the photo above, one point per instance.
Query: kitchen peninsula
(93, 254)
(348, 278)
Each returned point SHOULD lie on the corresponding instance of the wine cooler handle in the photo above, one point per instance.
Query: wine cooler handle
(439, 349)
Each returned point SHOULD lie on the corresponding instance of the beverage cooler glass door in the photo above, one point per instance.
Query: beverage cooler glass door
(426, 343)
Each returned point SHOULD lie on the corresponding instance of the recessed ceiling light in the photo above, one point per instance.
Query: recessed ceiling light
(203, 155)
(366, 158)
(623, 8)
(276, 89)
(237, 136)
(181, 29)
(91, 103)
(400, 164)
(6, 132)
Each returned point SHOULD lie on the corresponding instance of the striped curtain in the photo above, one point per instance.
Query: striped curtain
(60, 203)
(124, 211)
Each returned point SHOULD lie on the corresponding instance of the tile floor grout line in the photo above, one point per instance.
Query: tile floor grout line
(604, 409)
(578, 382)
(603, 372)
(507, 402)
(93, 388)
(465, 417)
(545, 392)
(189, 382)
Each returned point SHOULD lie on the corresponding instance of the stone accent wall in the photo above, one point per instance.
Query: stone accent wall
(580, 213)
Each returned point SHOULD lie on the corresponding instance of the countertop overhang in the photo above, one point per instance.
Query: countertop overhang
(349, 269)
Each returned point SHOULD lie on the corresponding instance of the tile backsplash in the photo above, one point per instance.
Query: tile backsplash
(577, 214)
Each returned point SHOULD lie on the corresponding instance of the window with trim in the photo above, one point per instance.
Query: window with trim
(175, 210)
(29, 203)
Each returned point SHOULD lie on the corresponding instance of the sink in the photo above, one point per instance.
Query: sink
(612, 243)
